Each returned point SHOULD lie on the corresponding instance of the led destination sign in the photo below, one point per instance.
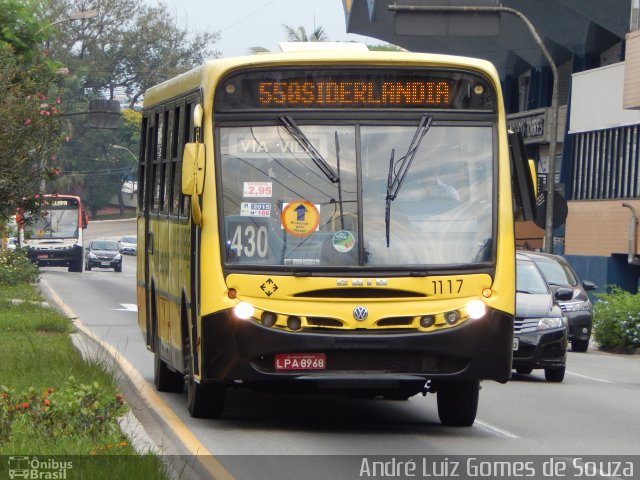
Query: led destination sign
(62, 202)
(354, 94)
(368, 88)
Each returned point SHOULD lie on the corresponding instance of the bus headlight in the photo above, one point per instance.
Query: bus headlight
(452, 317)
(243, 311)
(268, 319)
(427, 321)
(476, 309)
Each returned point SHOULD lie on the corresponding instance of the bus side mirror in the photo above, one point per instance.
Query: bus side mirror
(522, 179)
(193, 159)
(193, 169)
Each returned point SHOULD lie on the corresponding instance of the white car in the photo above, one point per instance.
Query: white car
(129, 245)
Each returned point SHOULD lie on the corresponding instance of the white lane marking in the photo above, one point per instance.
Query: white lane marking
(595, 379)
(495, 430)
(128, 307)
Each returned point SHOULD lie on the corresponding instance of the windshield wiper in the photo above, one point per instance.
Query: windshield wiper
(292, 128)
(398, 171)
(339, 182)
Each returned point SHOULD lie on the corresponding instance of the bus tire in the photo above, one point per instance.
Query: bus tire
(165, 379)
(555, 375)
(75, 265)
(205, 400)
(458, 402)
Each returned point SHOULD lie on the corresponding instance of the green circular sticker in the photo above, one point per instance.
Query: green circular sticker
(344, 241)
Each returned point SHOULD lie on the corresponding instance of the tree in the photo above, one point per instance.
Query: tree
(112, 54)
(108, 56)
(298, 34)
(30, 106)
(21, 26)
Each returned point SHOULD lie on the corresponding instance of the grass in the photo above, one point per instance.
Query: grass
(38, 363)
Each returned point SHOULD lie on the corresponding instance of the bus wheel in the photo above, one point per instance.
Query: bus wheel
(75, 265)
(554, 374)
(165, 379)
(458, 402)
(205, 400)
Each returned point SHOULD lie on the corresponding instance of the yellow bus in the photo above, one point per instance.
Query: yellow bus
(328, 221)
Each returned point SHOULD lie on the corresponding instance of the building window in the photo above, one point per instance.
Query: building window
(605, 164)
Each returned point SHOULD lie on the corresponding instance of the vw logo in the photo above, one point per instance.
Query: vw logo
(360, 313)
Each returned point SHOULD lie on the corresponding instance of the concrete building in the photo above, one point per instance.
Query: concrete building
(595, 45)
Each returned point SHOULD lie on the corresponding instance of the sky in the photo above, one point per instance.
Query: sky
(251, 23)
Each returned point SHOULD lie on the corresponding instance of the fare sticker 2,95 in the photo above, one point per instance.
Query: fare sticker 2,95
(500, 467)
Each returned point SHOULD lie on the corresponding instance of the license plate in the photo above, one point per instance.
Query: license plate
(105, 264)
(43, 256)
(300, 361)
(516, 343)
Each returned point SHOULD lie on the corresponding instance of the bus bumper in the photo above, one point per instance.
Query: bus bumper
(54, 256)
(237, 350)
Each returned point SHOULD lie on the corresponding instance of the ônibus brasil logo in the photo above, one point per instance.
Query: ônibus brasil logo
(36, 468)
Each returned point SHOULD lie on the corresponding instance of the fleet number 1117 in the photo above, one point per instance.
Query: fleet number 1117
(443, 287)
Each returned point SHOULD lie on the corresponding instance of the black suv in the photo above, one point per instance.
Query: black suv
(578, 308)
(103, 254)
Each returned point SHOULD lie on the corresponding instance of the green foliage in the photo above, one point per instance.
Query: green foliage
(299, 34)
(616, 320)
(75, 409)
(20, 26)
(30, 129)
(15, 268)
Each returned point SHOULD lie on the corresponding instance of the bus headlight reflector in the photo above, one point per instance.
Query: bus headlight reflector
(294, 323)
(427, 321)
(452, 317)
(243, 310)
(476, 309)
(268, 319)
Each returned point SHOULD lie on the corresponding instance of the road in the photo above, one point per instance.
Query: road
(593, 412)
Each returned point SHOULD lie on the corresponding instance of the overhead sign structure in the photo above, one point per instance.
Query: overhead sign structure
(104, 114)
(442, 24)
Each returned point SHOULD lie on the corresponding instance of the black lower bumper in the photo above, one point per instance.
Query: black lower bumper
(244, 350)
(580, 324)
(546, 349)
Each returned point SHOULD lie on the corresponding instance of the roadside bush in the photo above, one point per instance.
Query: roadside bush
(75, 409)
(616, 320)
(15, 268)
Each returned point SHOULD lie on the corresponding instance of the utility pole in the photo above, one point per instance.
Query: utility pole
(553, 123)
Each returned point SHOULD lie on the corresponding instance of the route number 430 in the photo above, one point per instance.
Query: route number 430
(250, 240)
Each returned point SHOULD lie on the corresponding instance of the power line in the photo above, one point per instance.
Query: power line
(247, 16)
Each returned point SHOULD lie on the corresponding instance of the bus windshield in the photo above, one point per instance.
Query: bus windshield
(55, 223)
(281, 208)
